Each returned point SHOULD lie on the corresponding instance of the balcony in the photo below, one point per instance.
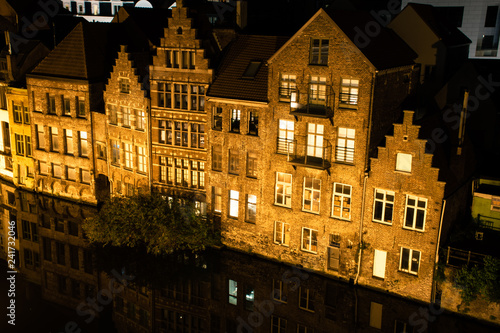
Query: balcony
(318, 101)
(299, 152)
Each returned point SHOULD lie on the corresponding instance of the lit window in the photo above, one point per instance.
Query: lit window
(127, 148)
(40, 136)
(281, 233)
(410, 260)
(249, 298)
(235, 120)
(415, 212)
(141, 159)
(283, 193)
(68, 138)
(383, 205)
(319, 51)
(112, 114)
(309, 240)
(56, 170)
(312, 195)
(115, 152)
(288, 85)
(141, 120)
(403, 162)
(285, 137)
(217, 199)
(54, 139)
(349, 91)
(234, 197)
(83, 144)
(126, 116)
(251, 214)
(233, 292)
(341, 201)
(345, 145)
(317, 90)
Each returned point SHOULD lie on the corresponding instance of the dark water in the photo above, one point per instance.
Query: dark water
(64, 285)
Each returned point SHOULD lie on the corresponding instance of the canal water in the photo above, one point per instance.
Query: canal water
(63, 284)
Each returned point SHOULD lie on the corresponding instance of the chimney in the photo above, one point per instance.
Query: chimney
(241, 13)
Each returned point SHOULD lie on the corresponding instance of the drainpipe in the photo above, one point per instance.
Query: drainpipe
(361, 227)
(433, 295)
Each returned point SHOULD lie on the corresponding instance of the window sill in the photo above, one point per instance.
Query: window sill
(348, 106)
(340, 218)
(283, 206)
(406, 173)
(251, 134)
(235, 132)
(320, 65)
(408, 272)
(305, 309)
(310, 212)
(250, 222)
(233, 174)
(382, 222)
(414, 229)
(345, 163)
(281, 244)
(308, 251)
(251, 177)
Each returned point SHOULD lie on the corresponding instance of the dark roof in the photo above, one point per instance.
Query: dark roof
(444, 30)
(384, 50)
(230, 83)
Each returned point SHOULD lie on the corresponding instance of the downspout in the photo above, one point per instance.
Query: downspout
(365, 178)
(433, 295)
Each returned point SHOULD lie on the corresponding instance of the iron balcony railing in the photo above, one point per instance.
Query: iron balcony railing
(299, 152)
(317, 101)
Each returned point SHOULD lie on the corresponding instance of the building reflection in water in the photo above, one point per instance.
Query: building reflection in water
(64, 282)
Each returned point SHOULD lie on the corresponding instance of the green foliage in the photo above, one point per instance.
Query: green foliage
(152, 222)
(473, 281)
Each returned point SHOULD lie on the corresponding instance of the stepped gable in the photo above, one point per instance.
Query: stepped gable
(81, 55)
(231, 83)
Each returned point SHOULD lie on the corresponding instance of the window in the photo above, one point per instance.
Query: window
(115, 152)
(40, 136)
(126, 116)
(288, 85)
(19, 144)
(403, 162)
(85, 174)
(18, 112)
(234, 164)
(26, 113)
(341, 206)
(415, 212)
(56, 170)
(83, 144)
(319, 52)
(217, 118)
(235, 120)
(281, 233)
(382, 206)
(312, 194)
(164, 95)
(28, 257)
(217, 199)
(249, 298)
(47, 249)
(410, 260)
(124, 85)
(217, 158)
(317, 90)
(333, 262)
(181, 133)
(51, 104)
(252, 164)
(197, 98)
(80, 105)
(181, 96)
(101, 150)
(234, 197)
(379, 260)
(491, 17)
(376, 315)
(233, 292)
(141, 120)
(345, 145)
(349, 91)
(43, 168)
(197, 136)
(279, 290)
(54, 139)
(251, 214)
(278, 325)
(163, 169)
(73, 257)
(59, 225)
(70, 173)
(252, 69)
(127, 149)
(285, 137)
(162, 134)
(197, 174)
(68, 135)
(61, 253)
(66, 106)
(283, 195)
(305, 299)
(304, 329)
(112, 114)
(309, 240)
(29, 151)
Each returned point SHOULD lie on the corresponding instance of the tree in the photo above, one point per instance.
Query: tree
(485, 280)
(160, 225)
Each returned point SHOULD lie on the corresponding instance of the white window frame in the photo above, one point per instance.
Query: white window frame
(410, 260)
(416, 208)
(286, 129)
(308, 232)
(342, 201)
(282, 233)
(384, 202)
(351, 88)
(286, 190)
(346, 139)
(234, 197)
(403, 162)
(310, 193)
(251, 206)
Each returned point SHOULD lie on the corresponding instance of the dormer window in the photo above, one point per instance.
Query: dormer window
(124, 86)
(403, 162)
(252, 69)
(319, 52)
